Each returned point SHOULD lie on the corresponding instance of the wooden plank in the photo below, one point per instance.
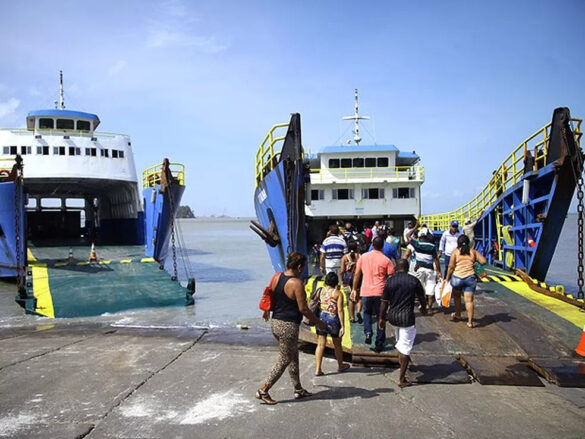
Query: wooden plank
(564, 372)
(502, 371)
(437, 369)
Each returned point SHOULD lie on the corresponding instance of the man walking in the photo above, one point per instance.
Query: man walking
(448, 243)
(332, 250)
(375, 269)
(468, 229)
(397, 306)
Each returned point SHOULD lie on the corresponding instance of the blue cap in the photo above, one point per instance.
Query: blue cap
(455, 223)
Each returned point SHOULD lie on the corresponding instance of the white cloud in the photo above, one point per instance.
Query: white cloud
(160, 38)
(117, 68)
(9, 107)
(34, 92)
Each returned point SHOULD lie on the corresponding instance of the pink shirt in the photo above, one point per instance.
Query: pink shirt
(375, 269)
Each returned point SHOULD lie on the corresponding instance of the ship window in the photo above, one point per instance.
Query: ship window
(58, 150)
(83, 125)
(91, 152)
(46, 124)
(121, 154)
(403, 192)
(342, 194)
(358, 163)
(346, 163)
(334, 163)
(114, 153)
(317, 194)
(42, 150)
(26, 150)
(104, 153)
(382, 162)
(6, 150)
(65, 124)
(372, 193)
(13, 150)
(370, 162)
(74, 150)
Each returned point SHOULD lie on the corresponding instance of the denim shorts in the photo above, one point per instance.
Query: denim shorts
(467, 284)
(332, 322)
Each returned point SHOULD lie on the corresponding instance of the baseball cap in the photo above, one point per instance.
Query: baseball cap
(455, 223)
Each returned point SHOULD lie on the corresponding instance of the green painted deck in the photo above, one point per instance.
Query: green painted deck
(121, 280)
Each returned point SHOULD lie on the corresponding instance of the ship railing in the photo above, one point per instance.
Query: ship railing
(61, 132)
(266, 156)
(394, 173)
(508, 174)
(151, 177)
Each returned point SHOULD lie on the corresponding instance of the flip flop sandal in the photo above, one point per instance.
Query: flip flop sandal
(319, 374)
(470, 325)
(265, 397)
(454, 318)
(302, 393)
(406, 383)
(344, 367)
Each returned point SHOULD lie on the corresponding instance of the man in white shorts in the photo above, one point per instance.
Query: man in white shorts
(397, 307)
(427, 267)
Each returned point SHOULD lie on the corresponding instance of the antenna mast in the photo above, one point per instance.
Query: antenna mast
(356, 118)
(61, 97)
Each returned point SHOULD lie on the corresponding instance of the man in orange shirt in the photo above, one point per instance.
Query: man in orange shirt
(375, 269)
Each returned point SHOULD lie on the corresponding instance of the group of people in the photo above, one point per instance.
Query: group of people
(382, 283)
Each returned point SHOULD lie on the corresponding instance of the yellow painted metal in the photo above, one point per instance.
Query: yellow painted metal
(41, 289)
(151, 176)
(266, 157)
(505, 176)
(413, 173)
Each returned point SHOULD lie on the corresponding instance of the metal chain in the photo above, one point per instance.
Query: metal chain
(288, 171)
(172, 210)
(17, 237)
(580, 237)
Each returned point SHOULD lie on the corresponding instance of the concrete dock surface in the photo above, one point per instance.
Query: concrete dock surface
(95, 380)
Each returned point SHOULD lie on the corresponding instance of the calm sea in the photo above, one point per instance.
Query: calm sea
(231, 267)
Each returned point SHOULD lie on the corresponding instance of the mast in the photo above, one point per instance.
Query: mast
(61, 96)
(356, 118)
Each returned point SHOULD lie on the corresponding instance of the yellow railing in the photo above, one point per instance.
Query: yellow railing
(405, 173)
(266, 157)
(151, 176)
(505, 176)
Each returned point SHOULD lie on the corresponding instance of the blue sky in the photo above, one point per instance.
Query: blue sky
(459, 82)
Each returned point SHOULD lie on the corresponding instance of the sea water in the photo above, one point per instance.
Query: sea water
(231, 267)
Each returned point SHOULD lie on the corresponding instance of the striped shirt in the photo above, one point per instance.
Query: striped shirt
(424, 253)
(334, 247)
(400, 291)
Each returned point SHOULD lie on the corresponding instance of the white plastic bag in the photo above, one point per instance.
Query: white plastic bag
(442, 289)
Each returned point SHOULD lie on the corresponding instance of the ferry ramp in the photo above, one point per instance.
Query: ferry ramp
(121, 279)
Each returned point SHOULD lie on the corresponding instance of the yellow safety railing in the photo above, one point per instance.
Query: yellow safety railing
(406, 173)
(266, 157)
(151, 176)
(504, 177)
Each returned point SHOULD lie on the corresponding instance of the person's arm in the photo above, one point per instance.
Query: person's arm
(343, 265)
(479, 257)
(442, 244)
(452, 263)
(340, 311)
(356, 282)
(420, 293)
(301, 297)
(407, 253)
(437, 266)
(409, 234)
(382, 317)
(322, 262)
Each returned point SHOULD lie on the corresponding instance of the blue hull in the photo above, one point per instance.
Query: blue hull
(159, 212)
(8, 218)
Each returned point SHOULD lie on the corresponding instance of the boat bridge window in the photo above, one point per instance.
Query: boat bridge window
(334, 163)
(73, 150)
(104, 152)
(42, 150)
(78, 203)
(65, 124)
(346, 163)
(24, 150)
(317, 194)
(372, 193)
(342, 194)
(370, 162)
(91, 152)
(10, 150)
(382, 162)
(59, 150)
(46, 124)
(83, 125)
(403, 192)
(358, 163)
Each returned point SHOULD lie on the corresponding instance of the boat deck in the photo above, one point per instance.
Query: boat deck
(520, 334)
(122, 279)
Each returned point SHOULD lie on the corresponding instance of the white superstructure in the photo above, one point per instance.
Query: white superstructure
(365, 181)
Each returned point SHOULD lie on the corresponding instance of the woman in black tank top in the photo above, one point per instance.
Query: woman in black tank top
(287, 313)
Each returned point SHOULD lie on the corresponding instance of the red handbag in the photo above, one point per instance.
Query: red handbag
(266, 299)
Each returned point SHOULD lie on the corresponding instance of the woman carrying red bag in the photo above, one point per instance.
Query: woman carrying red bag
(289, 304)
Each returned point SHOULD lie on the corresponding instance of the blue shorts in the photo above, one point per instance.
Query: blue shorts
(332, 322)
(467, 284)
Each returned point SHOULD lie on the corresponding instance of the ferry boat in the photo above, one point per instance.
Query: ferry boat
(298, 195)
(65, 185)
